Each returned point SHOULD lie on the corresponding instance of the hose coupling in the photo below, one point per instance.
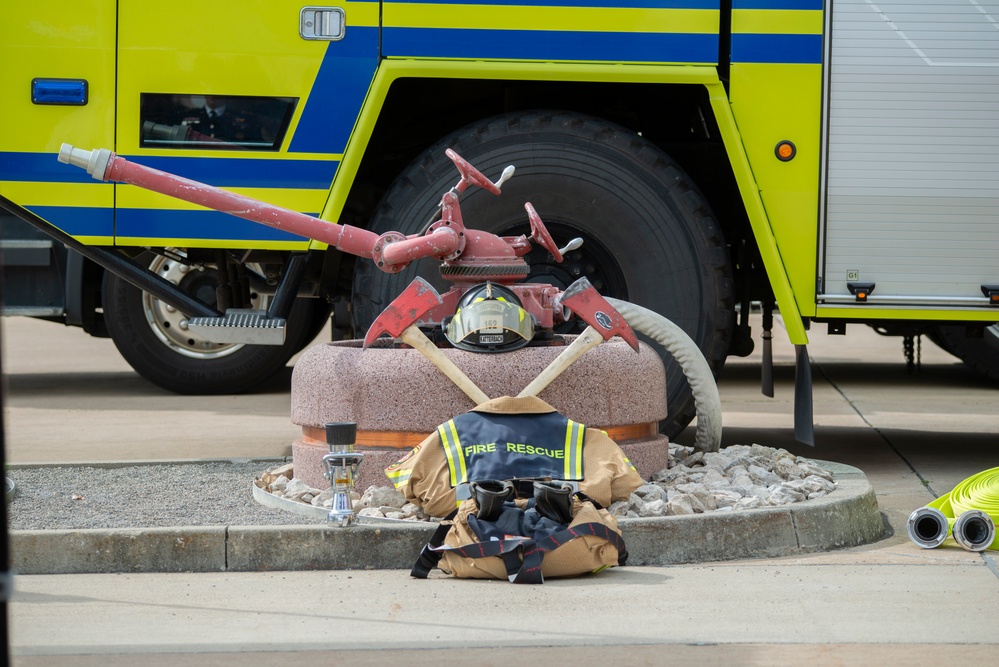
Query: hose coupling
(928, 527)
(974, 530)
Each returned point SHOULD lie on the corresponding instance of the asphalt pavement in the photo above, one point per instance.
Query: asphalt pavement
(914, 435)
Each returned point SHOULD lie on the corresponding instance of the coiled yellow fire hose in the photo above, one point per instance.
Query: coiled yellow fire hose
(969, 513)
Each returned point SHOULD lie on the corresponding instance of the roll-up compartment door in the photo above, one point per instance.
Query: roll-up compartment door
(911, 171)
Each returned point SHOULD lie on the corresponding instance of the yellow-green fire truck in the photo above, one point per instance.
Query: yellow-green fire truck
(837, 160)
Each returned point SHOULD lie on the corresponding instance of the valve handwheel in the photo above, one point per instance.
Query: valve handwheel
(471, 174)
(540, 235)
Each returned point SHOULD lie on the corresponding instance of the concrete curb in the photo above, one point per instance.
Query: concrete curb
(847, 517)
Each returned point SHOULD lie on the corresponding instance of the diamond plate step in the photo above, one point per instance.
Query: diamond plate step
(240, 325)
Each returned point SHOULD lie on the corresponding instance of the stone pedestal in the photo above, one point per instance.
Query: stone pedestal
(397, 398)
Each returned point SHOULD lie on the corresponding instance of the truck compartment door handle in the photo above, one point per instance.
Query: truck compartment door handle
(324, 23)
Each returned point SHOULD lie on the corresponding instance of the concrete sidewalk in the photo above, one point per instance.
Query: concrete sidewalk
(890, 607)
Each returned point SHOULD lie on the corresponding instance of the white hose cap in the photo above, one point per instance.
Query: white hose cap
(95, 161)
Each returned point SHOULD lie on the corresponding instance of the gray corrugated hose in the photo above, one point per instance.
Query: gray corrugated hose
(695, 368)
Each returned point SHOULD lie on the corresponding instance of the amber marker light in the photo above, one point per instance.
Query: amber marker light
(860, 290)
(785, 151)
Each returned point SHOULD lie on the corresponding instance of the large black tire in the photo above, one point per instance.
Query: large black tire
(649, 235)
(981, 354)
(148, 335)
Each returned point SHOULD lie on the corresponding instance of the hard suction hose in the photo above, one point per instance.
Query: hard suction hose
(694, 366)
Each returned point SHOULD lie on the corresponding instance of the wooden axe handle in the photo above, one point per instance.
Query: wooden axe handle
(418, 340)
(589, 338)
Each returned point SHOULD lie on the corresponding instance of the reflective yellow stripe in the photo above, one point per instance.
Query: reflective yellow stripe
(777, 21)
(574, 450)
(400, 477)
(452, 449)
(583, 19)
(580, 432)
(294, 199)
(27, 193)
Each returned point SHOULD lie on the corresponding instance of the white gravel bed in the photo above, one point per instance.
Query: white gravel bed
(220, 493)
(216, 493)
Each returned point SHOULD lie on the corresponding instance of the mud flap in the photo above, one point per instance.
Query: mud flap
(804, 431)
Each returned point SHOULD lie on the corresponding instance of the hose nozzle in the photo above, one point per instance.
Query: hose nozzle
(95, 161)
(928, 527)
(974, 530)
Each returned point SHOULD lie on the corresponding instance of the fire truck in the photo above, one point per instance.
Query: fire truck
(834, 161)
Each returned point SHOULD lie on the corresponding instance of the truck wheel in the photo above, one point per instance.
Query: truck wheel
(649, 236)
(981, 354)
(150, 335)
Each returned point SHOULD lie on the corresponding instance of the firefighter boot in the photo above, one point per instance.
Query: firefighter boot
(490, 494)
(553, 500)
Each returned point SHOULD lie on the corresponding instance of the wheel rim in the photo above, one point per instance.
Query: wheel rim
(169, 325)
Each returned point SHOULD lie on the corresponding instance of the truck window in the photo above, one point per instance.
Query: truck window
(227, 122)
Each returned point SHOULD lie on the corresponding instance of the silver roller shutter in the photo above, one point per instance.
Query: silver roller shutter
(911, 171)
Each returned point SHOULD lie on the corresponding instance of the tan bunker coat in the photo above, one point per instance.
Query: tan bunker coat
(425, 477)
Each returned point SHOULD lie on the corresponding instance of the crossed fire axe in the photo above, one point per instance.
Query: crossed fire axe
(399, 320)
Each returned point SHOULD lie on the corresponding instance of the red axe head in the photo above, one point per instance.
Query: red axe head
(583, 299)
(406, 310)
